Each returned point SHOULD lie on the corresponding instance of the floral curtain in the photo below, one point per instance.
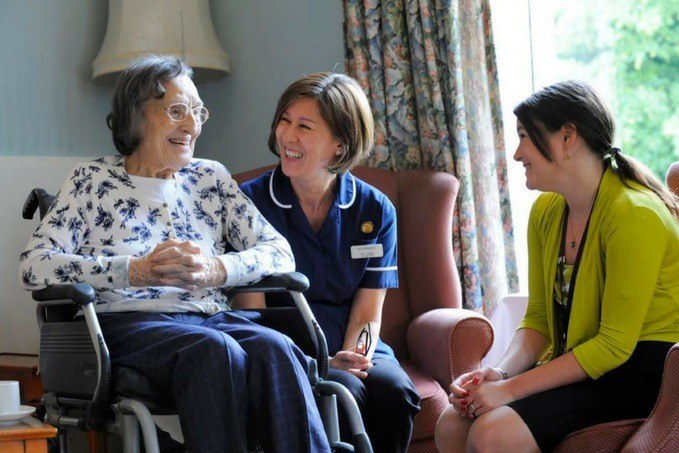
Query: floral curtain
(429, 69)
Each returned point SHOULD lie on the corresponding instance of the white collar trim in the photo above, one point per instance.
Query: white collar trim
(353, 194)
(289, 206)
(273, 197)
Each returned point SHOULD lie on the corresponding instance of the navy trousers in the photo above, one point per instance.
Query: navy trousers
(388, 402)
(228, 375)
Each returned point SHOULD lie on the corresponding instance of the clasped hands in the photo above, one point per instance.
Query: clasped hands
(477, 392)
(177, 263)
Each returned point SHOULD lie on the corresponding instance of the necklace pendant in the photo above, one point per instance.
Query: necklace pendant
(572, 244)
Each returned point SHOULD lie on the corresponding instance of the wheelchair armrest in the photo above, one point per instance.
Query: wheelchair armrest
(290, 281)
(82, 295)
(295, 283)
(78, 293)
(448, 342)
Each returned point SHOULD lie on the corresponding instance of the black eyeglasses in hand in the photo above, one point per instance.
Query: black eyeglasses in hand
(364, 341)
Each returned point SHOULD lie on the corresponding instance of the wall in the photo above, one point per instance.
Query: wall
(52, 113)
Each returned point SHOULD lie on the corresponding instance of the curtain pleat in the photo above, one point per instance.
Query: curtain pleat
(430, 72)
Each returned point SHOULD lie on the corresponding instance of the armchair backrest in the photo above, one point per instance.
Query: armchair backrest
(672, 178)
(428, 277)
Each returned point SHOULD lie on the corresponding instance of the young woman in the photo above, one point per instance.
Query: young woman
(603, 309)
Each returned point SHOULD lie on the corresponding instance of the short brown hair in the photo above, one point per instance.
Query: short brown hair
(343, 106)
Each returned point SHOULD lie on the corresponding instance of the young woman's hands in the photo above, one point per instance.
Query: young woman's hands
(478, 391)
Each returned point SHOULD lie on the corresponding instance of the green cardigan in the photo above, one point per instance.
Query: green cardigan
(627, 288)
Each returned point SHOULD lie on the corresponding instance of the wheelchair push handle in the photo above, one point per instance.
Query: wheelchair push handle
(37, 199)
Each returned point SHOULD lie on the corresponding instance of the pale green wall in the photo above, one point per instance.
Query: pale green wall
(49, 106)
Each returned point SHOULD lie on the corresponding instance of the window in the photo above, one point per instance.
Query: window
(627, 49)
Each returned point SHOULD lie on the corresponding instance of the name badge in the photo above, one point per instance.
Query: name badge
(367, 251)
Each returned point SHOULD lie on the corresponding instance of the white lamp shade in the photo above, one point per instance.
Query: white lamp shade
(182, 28)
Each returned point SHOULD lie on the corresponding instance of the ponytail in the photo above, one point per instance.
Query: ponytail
(630, 169)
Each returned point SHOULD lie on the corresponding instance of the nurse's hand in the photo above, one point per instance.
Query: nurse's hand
(352, 362)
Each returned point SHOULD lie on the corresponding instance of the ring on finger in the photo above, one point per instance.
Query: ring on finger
(471, 409)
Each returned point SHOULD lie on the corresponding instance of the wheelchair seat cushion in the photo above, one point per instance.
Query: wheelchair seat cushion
(130, 383)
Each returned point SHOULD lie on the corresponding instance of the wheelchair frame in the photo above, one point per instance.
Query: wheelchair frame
(90, 387)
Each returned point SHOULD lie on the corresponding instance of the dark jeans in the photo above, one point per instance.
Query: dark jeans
(227, 374)
(388, 403)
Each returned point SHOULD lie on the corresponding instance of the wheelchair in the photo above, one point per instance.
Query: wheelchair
(84, 391)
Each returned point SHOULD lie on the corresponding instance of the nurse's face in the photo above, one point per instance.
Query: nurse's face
(305, 142)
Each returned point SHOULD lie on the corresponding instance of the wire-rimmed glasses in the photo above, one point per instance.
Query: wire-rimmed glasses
(364, 341)
(179, 111)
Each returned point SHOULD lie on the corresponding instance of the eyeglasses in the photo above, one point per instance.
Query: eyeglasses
(179, 112)
(364, 341)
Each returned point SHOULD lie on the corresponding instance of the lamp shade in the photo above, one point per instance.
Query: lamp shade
(182, 28)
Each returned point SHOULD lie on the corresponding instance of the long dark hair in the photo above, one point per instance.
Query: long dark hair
(577, 103)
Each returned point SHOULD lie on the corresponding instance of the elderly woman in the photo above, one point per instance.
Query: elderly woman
(343, 234)
(149, 231)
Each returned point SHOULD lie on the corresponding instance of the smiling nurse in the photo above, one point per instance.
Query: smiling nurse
(343, 234)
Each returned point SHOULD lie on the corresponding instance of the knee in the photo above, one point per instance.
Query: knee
(482, 435)
(355, 385)
(451, 431)
(274, 342)
(213, 349)
(490, 432)
(396, 397)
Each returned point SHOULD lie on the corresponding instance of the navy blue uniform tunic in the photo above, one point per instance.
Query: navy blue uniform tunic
(362, 218)
(355, 248)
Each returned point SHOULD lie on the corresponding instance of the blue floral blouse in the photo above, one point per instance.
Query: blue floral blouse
(102, 216)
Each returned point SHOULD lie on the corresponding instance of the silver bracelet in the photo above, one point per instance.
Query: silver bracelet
(502, 372)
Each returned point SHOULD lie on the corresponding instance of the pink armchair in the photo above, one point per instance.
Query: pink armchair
(433, 337)
(672, 178)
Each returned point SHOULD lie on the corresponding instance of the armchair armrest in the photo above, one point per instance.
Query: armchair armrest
(604, 437)
(448, 342)
(660, 431)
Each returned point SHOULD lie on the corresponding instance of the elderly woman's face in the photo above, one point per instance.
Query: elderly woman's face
(167, 144)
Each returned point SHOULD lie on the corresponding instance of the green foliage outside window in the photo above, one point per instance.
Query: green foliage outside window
(631, 47)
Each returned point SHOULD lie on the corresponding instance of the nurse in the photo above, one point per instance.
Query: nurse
(343, 235)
